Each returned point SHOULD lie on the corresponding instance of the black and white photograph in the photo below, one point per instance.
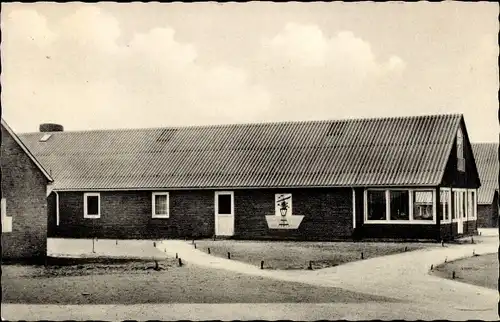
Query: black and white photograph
(249, 161)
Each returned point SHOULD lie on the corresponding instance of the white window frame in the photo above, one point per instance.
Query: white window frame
(410, 221)
(153, 203)
(92, 194)
(447, 219)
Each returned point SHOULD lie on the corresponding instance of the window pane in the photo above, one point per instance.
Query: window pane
(464, 205)
(445, 202)
(376, 205)
(161, 204)
(423, 205)
(470, 204)
(400, 205)
(224, 204)
(92, 205)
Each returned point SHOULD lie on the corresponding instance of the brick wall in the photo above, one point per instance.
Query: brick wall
(487, 215)
(24, 188)
(128, 215)
(328, 214)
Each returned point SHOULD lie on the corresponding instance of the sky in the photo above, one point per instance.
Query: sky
(138, 65)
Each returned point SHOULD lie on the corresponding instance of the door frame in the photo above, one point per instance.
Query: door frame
(216, 208)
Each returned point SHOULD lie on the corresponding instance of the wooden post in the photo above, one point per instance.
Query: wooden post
(310, 265)
(228, 255)
(117, 242)
(176, 255)
(154, 244)
(209, 250)
(194, 245)
(453, 275)
(362, 257)
(261, 264)
(406, 248)
(180, 262)
(156, 266)
(432, 267)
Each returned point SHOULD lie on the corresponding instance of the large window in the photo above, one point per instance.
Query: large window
(160, 205)
(423, 208)
(91, 205)
(376, 205)
(400, 206)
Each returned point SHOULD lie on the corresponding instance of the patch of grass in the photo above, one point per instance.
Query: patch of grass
(477, 270)
(85, 267)
(187, 284)
(297, 255)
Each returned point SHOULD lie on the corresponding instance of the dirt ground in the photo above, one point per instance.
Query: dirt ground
(297, 255)
(138, 282)
(477, 270)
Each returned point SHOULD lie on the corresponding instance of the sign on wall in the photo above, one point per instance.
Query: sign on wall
(283, 213)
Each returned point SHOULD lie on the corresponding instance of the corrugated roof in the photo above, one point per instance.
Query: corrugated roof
(400, 151)
(486, 155)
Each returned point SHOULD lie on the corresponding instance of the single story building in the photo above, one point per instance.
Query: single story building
(486, 155)
(404, 177)
(25, 186)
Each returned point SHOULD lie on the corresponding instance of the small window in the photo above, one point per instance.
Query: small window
(423, 205)
(224, 204)
(400, 205)
(92, 205)
(160, 205)
(45, 137)
(376, 205)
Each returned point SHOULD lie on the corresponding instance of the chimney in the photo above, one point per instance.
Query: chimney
(51, 127)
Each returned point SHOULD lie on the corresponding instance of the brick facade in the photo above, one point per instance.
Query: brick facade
(24, 189)
(487, 215)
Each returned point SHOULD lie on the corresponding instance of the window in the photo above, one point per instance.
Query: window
(376, 205)
(464, 205)
(160, 205)
(224, 204)
(92, 205)
(6, 220)
(471, 205)
(400, 205)
(45, 137)
(423, 205)
(446, 205)
(460, 151)
(460, 204)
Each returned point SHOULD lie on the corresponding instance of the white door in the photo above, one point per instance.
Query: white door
(224, 213)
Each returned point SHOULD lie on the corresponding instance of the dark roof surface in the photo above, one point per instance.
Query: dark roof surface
(400, 151)
(486, 155)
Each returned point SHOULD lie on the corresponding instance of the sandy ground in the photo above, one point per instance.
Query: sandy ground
(402, 276)
(228, 312)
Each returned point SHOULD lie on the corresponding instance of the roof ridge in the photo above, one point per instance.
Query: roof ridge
(201, 126)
